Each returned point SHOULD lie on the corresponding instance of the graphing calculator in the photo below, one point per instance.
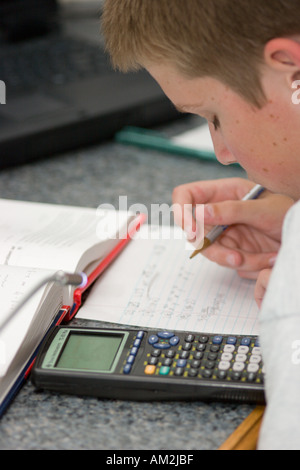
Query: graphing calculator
(148, 365)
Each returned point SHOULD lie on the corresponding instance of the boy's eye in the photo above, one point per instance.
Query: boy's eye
(216, 123)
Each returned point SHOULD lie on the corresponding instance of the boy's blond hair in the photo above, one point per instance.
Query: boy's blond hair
(223, 39)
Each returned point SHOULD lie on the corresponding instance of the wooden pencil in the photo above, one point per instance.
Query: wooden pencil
(245, 437)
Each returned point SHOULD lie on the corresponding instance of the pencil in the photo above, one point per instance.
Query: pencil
(245, 437)
(214, 234)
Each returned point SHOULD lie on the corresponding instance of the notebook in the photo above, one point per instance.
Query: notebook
(154, 284)
(38, 240)
(61, 92)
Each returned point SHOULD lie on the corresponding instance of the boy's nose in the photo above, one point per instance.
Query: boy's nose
(223, 154)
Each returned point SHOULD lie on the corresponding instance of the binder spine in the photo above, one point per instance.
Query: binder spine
(134, 227)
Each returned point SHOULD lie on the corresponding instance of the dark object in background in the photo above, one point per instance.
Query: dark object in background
(61, 92)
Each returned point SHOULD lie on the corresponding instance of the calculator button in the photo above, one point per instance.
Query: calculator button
(164, 370)
(181, 363)
(198, 355)
(231, 340)
(256, 351)
(201, 347)
(134, 351)
(235, 375)
(137, 343)
(251, 377)
(215, 348)
(241, 358)
(168, 362)
(217, 339)
(195, 364)
(162, 345)
(174, 341)
(170, 353)
(207, 373)
(238, 366)
(209, 364)
(222, 374)
(229, 348)
(184, 355)
(192, 373)
(253, 368)
(130, 359)
(152, 339)
(224, 365)
(140, 335)
(212, 356)
(245, 341)
(203, 339)
(156, 352)
(149, 369)
(189, 338)
(187, 347)
(153, 360)
(165, 334)
(254, 359)
(127, 369)
(226, 357)
(179, 371)
(243, 350)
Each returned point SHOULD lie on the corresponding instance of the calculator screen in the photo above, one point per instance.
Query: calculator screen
(88, 351)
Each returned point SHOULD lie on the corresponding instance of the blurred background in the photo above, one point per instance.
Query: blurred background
(61, 93)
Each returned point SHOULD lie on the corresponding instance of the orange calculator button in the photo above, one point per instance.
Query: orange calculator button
(149, 369)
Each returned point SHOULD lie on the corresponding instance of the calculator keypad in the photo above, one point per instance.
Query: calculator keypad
(215, 357)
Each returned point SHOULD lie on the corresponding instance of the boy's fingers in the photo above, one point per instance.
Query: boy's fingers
(232, 212)
(244, 263)
(262, 212)
(202, 192)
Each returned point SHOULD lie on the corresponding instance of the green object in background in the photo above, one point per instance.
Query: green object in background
(149, 139)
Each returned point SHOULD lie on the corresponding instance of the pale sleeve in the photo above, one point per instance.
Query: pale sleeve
(280, 342)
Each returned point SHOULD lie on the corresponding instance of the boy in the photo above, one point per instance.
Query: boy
(237, 63)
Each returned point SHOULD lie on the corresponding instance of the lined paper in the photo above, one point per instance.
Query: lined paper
(154, 284)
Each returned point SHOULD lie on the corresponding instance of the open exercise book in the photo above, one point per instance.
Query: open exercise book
(36, 240)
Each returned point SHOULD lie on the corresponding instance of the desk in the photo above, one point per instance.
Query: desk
(90, 177)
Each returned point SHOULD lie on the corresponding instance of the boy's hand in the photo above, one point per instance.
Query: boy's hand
(252, 241)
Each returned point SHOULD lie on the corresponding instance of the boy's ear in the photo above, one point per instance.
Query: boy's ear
(283, 54)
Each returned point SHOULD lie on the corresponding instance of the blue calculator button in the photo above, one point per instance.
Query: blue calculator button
(174, 341)
(152, 339)
(137, 343)
(231, 340)
(165, 334)
(127, 369)
(134, 351)
(140, 335)
(181, 362)
(245, 342)
(217, 339)
(130, 359)
(161, 345)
